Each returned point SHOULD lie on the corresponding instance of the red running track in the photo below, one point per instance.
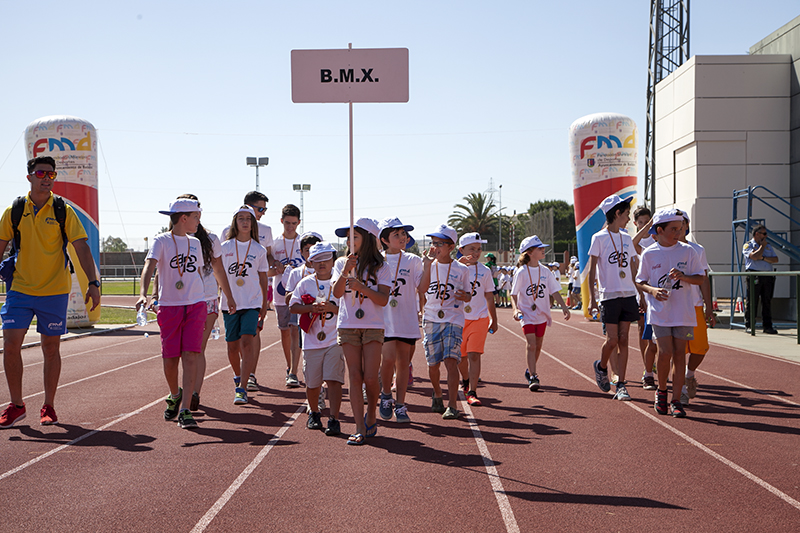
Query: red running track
(567, 458)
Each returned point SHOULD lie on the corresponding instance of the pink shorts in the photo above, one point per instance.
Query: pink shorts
(182, 328)
(536, 329)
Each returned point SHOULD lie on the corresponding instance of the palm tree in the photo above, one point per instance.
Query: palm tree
(476, 214)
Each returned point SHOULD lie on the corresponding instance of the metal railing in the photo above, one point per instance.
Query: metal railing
(751, 281)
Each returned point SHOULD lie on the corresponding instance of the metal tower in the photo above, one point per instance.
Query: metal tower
(669, 49)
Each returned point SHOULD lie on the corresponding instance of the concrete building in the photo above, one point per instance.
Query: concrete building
(724, 123)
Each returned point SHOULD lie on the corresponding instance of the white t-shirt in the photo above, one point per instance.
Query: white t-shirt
(187, 259)
(480, 279)
(295, 275)
(246, 267)
(209, 281)
(657, 261)
(349, 303)
(534, 285)
(287, 251)
(314, 287)
(644, 242)
(701, 254)
(441, 293)
(557, 274)
(401, 319)
(613, 257)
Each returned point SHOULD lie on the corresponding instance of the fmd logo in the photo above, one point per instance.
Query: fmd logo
(588, 143)
(63, 144)
(347, 76)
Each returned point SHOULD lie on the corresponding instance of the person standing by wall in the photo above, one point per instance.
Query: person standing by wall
(759, 257)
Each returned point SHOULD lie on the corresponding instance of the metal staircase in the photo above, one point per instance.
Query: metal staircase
(778, 239)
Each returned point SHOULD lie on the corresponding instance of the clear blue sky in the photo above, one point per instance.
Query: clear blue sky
(181, 92)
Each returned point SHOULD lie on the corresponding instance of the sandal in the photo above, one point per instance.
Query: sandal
(371, 430)
(356, 439)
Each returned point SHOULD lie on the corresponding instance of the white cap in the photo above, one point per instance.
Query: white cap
(322, 251)
(245, 209)
(609, 203)
(663, 216)
(367, 224)
(311, 234)
(444, 232)
(531, 242)
(184, 205)
(471, 238)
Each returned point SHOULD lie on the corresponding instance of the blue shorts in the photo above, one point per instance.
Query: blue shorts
(243, 322)
(51, 312)
(442, 340)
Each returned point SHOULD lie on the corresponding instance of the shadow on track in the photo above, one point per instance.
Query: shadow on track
(111, 439)
(593, 499)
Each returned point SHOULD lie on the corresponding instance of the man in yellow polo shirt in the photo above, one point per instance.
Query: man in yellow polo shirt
(40, 287)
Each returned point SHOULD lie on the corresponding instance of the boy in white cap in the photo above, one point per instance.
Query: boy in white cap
(443, 321)
(401, 319)
(697, 348)
(182, 307)
(612, 261)
(667, 266)
(323, 358)
(529, 297)
(477, 314)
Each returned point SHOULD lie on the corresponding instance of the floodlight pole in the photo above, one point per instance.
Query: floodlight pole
(257, 162)
(302, 188)
(500, 215)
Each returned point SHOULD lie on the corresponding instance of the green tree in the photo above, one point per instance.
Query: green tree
(477, 213)
(113, 244)
(563, 218)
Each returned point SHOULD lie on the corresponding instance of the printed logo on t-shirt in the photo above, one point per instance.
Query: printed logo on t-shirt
(441, 290)
(620, 258)
(539, 289)
(235, 268)
(180, 260)
(396, 290)
(663, 281)
(475, 286)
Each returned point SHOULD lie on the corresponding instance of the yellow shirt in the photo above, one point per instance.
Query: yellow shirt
(40, 268)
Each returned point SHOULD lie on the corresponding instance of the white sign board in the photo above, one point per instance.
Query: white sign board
(350, 75)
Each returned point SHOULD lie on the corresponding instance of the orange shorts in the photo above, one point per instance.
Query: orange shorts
(699, 345)
(474, 336)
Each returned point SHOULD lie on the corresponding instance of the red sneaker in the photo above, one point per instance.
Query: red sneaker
(472, 399)
(48, 415)
(11, 415)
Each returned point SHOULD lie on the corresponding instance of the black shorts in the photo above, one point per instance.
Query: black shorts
(619, 310)
(405, 340)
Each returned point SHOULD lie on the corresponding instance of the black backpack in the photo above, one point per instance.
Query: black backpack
(17, 209)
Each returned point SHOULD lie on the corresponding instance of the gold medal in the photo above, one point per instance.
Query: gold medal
(533, 307)
(440, 314)
(393, 302)
(321, 335)
(359, 313)
(179, 285)
(240, 282)
(468, 309)
(622, 274)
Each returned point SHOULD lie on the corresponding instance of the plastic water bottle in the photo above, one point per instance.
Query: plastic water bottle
(215, 330)
(594, 314)
(141, 316)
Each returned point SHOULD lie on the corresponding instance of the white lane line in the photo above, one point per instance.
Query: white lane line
(742, 385)
(494, 478)
(780, 494)
(239, 481)
(81, 353)
(101, 428)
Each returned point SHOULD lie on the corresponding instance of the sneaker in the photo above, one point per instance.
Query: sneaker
(527, 375)
(194, 405)
(386, 408)
(771, 331)
(451, 414)
(237, 381)
(676, 410)
(601, 378)
(321, 400)
(410, 375)
(173, 405)
(437, 405)
(334, 428)
(186, 420)
(649, 383)
(622, 393)
(11, 415)
(472, 399)
(533, 382)
(691, 386)
(684, 397)
(252, 383)
(240, 397)
(292, 382)
(314, 421)
(401, 414)
(661, 402)
(48, 416)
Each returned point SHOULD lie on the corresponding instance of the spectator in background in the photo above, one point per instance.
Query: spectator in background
(759, 257)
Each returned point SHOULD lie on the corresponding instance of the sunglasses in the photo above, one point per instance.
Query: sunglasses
(259, 209)
(439, 244)
(45, 173)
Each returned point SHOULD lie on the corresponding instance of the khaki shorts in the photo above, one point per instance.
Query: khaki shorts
(323, 364)
(699, 345)
(358, 337)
